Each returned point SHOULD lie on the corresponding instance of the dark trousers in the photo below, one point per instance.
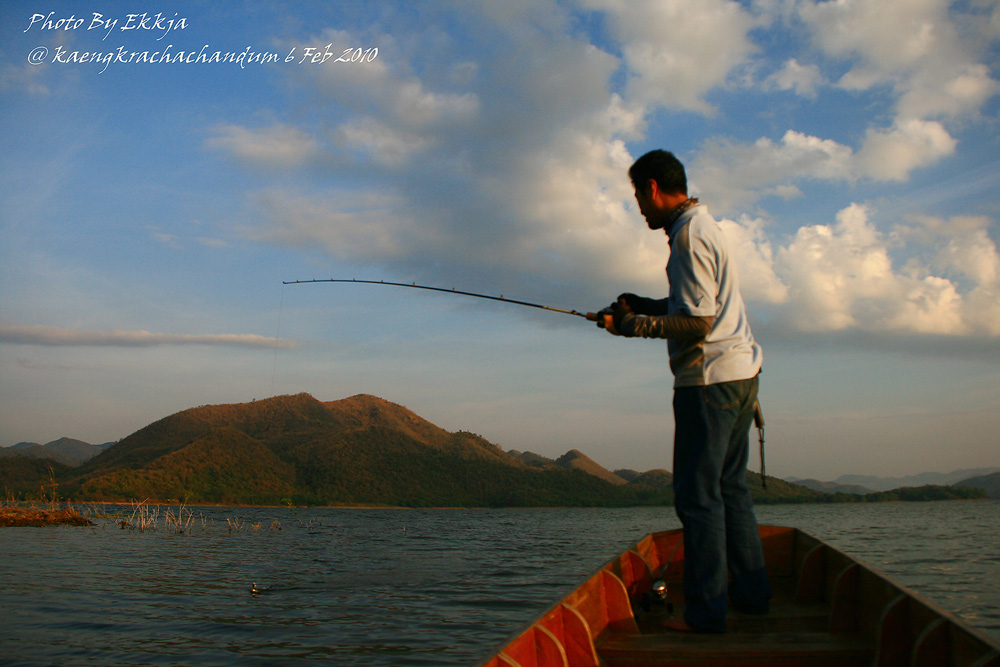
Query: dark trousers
(711, 452)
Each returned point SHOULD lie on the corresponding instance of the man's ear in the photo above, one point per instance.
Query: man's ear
(652, 188)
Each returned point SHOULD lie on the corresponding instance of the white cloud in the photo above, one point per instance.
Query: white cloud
(960, 248)
(417, 106)
(383, 144)
(350, 225)
(973, 256)
(384, 90)
(754, 256)
(166, 239)
(842, 277)
(59, 336)
(24, 78)
(280, 145)
(802, 79)
(209, 242)
(732, 175)
(890, 35)
(929, 51)
(829, 268)
(678, 51)
(960, 89)
(925, 59)
(508, 175)
(891, 155)
(505, 169)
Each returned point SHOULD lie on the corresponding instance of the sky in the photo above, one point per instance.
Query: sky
(163, 174)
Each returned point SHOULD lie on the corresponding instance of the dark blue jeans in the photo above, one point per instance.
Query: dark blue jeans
(711, 452)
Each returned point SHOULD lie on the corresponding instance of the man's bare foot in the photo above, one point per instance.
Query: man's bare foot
(677, 624)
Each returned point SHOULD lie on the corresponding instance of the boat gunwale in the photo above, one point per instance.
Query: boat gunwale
(991, 647)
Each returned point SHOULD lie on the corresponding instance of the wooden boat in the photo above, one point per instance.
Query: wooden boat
(827, 609)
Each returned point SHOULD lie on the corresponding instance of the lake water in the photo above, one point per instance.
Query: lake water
(399, 587)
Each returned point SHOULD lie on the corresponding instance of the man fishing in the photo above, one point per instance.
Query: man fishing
(715, 361)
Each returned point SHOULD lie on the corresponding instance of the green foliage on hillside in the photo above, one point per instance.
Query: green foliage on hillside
(24, 477)
(780, 491)
(783, 492)
(362, 450)
(67, 451)
(990, 484)
(925, 493)
(359, 451)
(223, 466)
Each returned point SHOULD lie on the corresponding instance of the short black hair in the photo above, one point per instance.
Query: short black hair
(660, 166)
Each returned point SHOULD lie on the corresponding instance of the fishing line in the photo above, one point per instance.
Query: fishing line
(277, 344)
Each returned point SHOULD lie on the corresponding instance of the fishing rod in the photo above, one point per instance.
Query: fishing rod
(593, 317)
(589, 316)
(758, 420)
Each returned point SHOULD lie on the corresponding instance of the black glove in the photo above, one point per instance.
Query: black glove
(600, 316)
(621, 311)
(634, 302)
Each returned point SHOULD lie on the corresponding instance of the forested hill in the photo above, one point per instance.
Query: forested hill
(361, 450)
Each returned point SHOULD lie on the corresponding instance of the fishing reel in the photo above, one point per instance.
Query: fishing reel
(656, 595)
(659, 590)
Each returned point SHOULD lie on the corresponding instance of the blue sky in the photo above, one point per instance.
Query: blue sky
(149, 212)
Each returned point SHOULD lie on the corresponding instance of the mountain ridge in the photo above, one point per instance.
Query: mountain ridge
(877, 483)
(989, 483)
(68, 451)
(296, 449)
(359, 450)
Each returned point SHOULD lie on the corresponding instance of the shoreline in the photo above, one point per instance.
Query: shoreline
(12, 517)
(68, 514)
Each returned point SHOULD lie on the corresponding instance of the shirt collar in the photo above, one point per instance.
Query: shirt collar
(677, 213)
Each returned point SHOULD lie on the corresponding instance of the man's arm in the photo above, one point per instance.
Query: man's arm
(676, 327)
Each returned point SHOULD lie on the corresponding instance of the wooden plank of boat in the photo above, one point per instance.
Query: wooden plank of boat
(828, 609)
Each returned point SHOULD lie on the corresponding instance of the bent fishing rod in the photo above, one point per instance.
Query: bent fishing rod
(589, 316)
(593, 317)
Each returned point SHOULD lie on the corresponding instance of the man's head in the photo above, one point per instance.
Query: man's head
(660, 166)
(660, 185)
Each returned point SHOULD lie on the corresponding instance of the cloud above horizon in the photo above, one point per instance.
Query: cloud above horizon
(850, 149)
(550, 200)
(53, 336)
(929, 58)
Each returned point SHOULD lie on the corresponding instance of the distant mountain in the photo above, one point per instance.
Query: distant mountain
(988, 483)
(780, 491)
(834, 487)
(577, 460)
(20, 475)
(571, 460)
(627, 474)
(534, 460)
(923, 479)
(359, 450)
(64, 450)
(657, 479)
